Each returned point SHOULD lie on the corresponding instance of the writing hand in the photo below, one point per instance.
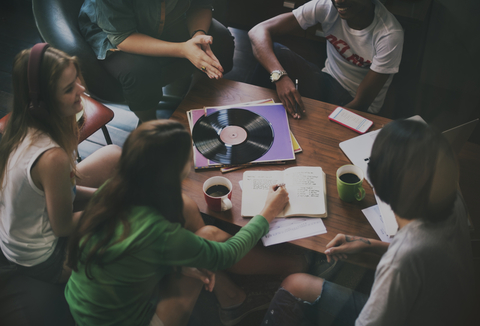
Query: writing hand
(204, 275)
(290, 97)
(277, 198)
(342, 244)
(197, 51)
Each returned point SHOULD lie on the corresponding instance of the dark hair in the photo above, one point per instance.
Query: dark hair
(149, 174)
(413, 168)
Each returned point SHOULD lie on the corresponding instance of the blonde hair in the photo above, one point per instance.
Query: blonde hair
(62, 130)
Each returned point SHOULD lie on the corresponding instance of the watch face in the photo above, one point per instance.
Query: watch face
(276, 75)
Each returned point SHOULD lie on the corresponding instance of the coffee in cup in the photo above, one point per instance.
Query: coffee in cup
(218, 193)
(349, 183)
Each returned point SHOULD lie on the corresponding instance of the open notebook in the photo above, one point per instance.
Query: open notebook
(358, 151)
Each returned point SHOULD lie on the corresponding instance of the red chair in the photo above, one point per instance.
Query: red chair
(95, 117)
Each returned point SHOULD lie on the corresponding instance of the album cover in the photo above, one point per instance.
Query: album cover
(281, 148)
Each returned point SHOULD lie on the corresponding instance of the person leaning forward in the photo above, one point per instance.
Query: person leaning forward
(364, 48)
(148, 44)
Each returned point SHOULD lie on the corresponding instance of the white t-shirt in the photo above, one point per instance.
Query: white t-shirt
(425, 277)
(26, 235)
(352, 53)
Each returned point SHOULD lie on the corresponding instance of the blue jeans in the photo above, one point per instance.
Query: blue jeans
(142, 77)
(48, 271)
(312, 82)
(337, 305)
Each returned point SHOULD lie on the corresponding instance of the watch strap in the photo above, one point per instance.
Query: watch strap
(280, 74)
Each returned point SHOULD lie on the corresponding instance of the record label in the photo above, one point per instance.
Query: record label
(233, 136)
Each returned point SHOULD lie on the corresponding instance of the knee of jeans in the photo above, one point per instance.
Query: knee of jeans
(223, 45)
(287, 295)
(143, 101)
(141, 92)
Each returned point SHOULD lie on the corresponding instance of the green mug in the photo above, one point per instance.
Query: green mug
(349, 183)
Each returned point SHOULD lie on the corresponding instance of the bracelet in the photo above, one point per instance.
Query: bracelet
(198, 30)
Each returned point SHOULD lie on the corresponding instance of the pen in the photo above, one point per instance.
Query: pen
(279, 185)
(296, 104)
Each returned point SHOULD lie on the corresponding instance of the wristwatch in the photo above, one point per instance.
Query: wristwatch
(276, 75)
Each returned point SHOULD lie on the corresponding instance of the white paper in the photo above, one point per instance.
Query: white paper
(388, 217)
(289, 229)
(375, 219)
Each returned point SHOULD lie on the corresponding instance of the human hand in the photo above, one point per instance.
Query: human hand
(204, 275)
(342, 244)
(197, 50)
(290, 97)
(277, 198)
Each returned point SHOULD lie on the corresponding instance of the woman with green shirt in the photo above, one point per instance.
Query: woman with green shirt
(136, 232)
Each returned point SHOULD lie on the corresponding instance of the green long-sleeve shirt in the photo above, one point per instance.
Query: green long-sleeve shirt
(124, 290)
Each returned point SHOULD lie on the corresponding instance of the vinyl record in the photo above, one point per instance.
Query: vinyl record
(233, 136)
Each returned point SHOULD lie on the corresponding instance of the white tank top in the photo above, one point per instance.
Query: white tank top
(26, 235)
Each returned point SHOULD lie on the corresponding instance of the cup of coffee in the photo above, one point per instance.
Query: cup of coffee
(218, 193)
(349, 183)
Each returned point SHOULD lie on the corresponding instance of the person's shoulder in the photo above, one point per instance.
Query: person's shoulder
(149, 226)
(149, 217)
(145, 213)
(408, 242)
(386, 21)
(55, 159)
(319, 8)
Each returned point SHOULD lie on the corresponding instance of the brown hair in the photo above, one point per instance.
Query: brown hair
(149, 174)
(62, 130)
(413, 168)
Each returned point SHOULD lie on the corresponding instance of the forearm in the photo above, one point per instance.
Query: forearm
(357, 104)
(379, 247)
(373, 246)
(65, 228)
(138, 43)
(199, 19)
(84, 193)
(262, 47)
(368, 90)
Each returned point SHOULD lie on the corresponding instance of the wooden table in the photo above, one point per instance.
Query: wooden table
(319, 139)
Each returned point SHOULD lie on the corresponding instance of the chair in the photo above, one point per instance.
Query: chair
(95, 117)
(57, 23)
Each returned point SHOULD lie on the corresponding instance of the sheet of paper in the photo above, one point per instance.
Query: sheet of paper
(289, 229)
(375, 219)
(388, 217)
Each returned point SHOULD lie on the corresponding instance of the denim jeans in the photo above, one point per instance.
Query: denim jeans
(142, 77)
(48, 271)
(337, 305)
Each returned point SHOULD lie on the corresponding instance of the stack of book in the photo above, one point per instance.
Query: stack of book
(284, 146)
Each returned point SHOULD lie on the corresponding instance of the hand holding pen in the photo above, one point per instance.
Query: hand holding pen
(287, 91)
(298, 100)
(277, 198)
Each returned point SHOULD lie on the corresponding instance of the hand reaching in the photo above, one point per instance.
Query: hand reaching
(206, 276)
(277, 198)
(290, 96)
(197, 50)
(342, 245)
